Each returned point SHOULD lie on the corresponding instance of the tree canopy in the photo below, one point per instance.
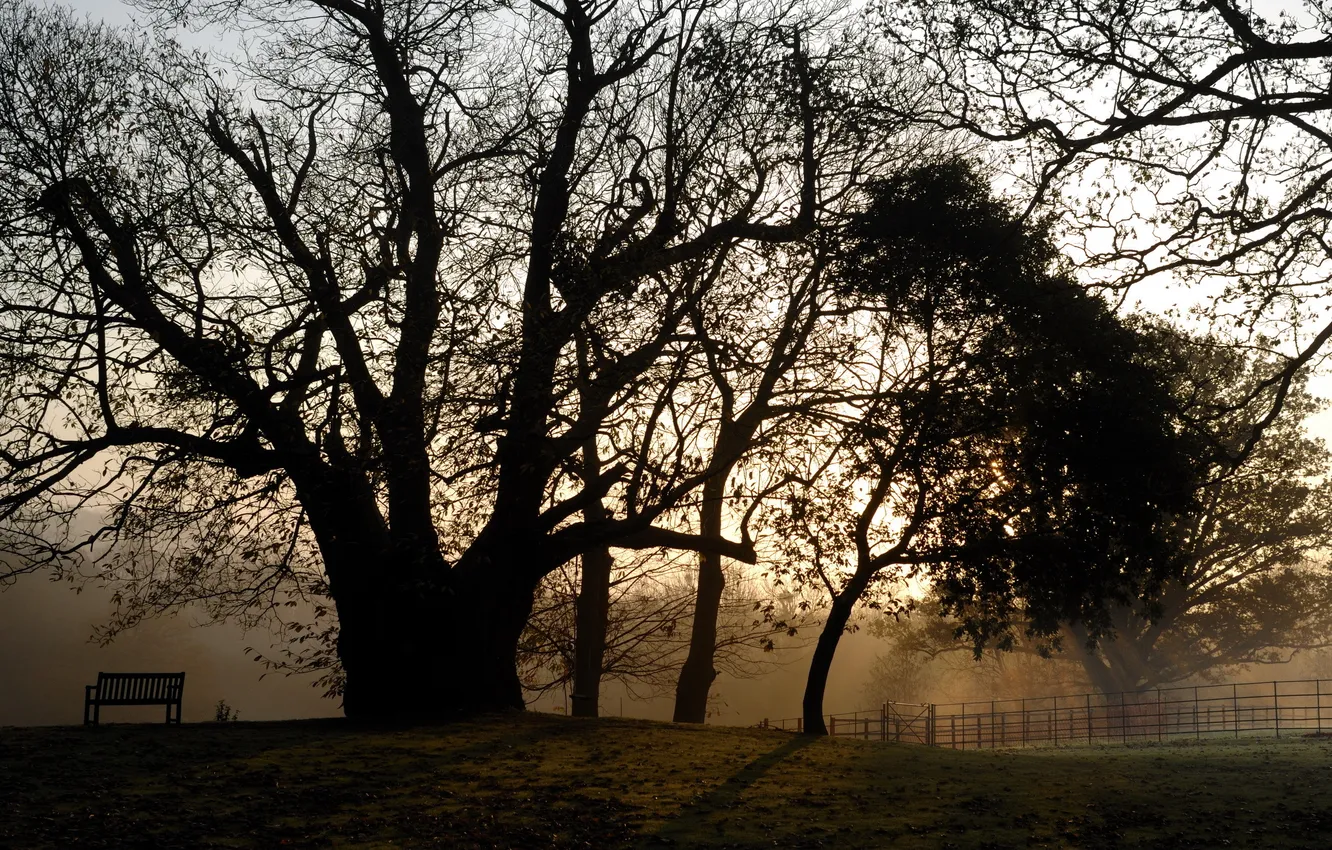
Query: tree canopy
(1191, 140)
(1020, 455)
(1249, 584)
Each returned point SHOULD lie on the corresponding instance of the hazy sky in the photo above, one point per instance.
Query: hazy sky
(46, 659)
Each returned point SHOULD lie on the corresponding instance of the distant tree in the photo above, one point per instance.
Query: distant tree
(899, 674)
(1014, 450)
(923, 660)
(1251, 582)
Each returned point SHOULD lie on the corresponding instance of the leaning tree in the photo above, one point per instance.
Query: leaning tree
(352, 315)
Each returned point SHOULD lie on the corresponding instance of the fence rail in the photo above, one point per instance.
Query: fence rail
(1204, 711)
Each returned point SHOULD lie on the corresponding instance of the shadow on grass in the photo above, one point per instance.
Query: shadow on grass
(693, 817)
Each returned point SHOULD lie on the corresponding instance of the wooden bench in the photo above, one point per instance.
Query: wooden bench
(133, 689)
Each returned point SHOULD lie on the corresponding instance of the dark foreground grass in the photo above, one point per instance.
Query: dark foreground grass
(541, 781)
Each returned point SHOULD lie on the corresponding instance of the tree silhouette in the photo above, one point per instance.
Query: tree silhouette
(1250, 581)
(1021, 457)
(310, 323)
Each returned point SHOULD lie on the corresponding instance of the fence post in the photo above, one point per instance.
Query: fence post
(1123, 717)
(929, 727)
(1198, 730)
(1024, 722)
(1234, 705)
(1089, 719)
(992, 745)
(800, 724)
(1276, 711)
(1318, 703)
(883, 720)
(1054, 721)
(1159, 718)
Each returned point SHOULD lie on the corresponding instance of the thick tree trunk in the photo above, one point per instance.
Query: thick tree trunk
(418, 642)
(591, 615)
(396, 669)
(431, 657)
(699, 671)
(817, 683)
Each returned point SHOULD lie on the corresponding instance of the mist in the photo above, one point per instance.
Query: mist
(48, 658)
(736, 701)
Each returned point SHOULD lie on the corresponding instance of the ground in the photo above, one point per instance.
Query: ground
(527, 780)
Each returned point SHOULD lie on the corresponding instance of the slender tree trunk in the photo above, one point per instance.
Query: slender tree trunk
(592, 609)
(817, 683)
(590, 618)
(699, 671)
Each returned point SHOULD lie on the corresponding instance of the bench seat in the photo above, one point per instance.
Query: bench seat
(133, 689)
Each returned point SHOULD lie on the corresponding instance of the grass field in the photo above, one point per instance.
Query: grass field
(541, 781)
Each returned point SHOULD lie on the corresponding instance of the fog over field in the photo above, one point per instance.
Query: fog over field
(48, 659)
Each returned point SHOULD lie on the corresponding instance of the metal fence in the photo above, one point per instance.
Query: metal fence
(1202, 711)
(903, 722)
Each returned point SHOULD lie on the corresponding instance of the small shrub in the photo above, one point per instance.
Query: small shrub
(224, 713)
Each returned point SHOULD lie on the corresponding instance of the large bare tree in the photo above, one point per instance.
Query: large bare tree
(312, 320)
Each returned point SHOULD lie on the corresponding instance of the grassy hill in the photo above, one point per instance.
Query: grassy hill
(542, 781)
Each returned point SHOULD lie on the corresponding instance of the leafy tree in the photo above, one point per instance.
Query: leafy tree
(1250, 585)
(1014, 451)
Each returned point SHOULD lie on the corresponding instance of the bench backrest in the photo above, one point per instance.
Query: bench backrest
(139, 688)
